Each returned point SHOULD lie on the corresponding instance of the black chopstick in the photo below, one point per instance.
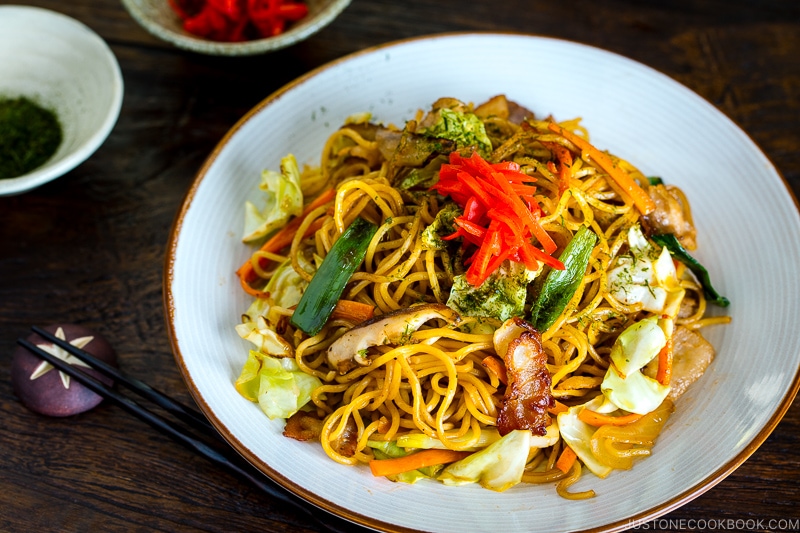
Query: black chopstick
(329, 521)
(176, 408)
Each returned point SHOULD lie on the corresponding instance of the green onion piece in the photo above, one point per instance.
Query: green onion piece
(677, 251)
(655, 180)
(327, 285)
(560, 285)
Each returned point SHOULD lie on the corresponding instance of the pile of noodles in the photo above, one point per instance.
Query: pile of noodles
(434, 383)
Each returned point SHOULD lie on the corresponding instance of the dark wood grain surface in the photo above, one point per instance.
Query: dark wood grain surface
(88, 248)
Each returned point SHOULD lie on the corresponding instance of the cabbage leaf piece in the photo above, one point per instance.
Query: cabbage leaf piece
(256, 329)
(390, 450)
(646, 275)
(578, 434)
(282, 199)
(624, 384)
(286, 286)
(498, 467)
(277, 384)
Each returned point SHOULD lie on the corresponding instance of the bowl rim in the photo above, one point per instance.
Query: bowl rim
(186, 41)
(51, 170)
(673, 503)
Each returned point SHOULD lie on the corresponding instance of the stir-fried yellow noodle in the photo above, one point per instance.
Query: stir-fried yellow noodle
(450, 334)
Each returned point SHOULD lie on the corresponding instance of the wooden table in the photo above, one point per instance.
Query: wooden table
(89, 247)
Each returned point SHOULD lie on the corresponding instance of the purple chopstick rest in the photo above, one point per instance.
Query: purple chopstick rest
(43, 388)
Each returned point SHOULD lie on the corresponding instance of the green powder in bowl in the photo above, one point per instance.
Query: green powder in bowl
(29, 136)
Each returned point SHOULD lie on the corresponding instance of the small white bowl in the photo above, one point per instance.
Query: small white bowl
(62, 65)
(158, 18)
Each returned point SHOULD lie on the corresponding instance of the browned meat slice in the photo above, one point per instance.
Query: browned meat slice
(501, 107)
(527, 395)
(303, 426)
(388, 141)
(347, 443)
(691, 355)
(416, 150)
(671, 215)
(518, 113)
(496, 106)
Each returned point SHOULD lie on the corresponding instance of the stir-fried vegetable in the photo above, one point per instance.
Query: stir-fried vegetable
(327, 285)
(670, 242)
(282, 199)
(390, 450)
(286, 286)
(566, 459)
(624, 385)
(599, 419)
(497, 467)
(414, 461)
(641, 200)
(281, 239)
(443, 224)
(560, 285)
(645, 275)
(578, 435)
(276, 383)
(618, 446)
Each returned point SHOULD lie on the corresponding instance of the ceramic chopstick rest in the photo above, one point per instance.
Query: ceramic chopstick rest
(43, 388)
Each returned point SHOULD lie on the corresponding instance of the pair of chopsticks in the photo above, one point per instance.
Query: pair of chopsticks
(185, 414)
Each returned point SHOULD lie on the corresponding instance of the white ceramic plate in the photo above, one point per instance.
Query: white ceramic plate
(64, 66)
(629, 109)
(158, 18)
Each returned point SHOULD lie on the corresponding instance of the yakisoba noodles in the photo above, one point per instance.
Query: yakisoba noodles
(480, 296)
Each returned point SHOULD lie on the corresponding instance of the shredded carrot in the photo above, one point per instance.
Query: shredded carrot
(353, 311)
(414, 461)
(596, 419)
(279, 241)
(282, 239)
(558, 408)
(640, 197)
(495, 365)
(565, 161)
(664, 373)
(566, 459)
(244, 272)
